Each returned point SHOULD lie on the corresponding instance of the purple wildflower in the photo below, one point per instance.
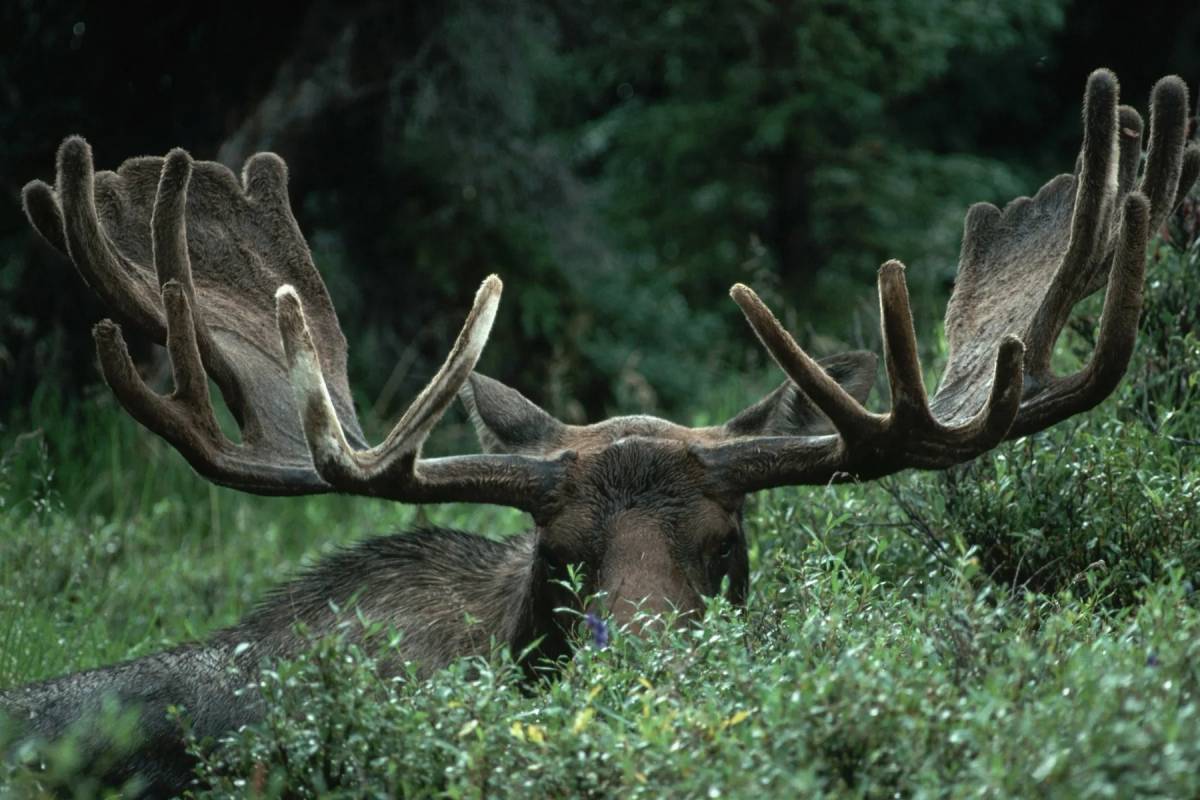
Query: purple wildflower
(598, 628)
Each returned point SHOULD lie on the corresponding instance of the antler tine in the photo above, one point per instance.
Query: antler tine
(911, 415)
(1122, 298)
(1097, 187)
(102, 265)
(1118, 330)
(429, 406)
(848, 416)
(174, 271)
(187, 370)
(173, 417)
(390, 465)
(910, 404)
(1164, 161)
(1099, 176)
(167, 225)
(995, 420)
(322, 430)
(44, 213)
(1129, 142)
(185, 417)
(148, 408)
(168, 237)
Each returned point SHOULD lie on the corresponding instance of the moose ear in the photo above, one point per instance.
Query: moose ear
(505, 421)
(787, 411)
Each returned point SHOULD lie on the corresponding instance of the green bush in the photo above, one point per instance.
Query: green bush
(841, 685)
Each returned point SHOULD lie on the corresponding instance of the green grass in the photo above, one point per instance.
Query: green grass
(112, 548)
(1025, 626)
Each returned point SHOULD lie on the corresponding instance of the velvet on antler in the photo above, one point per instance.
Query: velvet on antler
(1021, 272)
(218, 271)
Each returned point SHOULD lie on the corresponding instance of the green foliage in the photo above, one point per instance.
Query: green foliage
(835, 684)
(33, 768)
(111, 547)
(767, 135)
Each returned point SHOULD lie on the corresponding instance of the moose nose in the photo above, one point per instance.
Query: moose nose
(642, 580)
(639, 614)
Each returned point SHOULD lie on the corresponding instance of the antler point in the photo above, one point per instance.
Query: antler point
(106, 329)
(1102, 77)
(177, 160)
(75, 156)
(1012, 340)
(74, 143)
(1169, 83)
(35, 185)
(1130, 121)
(1137, 203)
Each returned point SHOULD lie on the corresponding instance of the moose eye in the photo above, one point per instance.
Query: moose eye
(720, 565)
(727, 546)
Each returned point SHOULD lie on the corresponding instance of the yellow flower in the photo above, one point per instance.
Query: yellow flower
(736, 719)
(582, 719)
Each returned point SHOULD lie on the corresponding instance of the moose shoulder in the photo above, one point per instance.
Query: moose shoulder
(214, 267)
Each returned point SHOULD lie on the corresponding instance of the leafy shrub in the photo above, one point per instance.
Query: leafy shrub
(837, 684)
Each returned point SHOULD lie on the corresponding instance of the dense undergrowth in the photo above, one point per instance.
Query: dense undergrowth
(1022, 626)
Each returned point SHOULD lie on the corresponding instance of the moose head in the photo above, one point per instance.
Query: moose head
(218, 271)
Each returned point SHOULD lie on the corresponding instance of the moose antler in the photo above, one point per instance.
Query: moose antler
(195, 259)
(218, 271)
(1021, 272)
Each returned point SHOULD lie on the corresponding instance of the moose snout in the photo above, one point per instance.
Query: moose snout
(638, 614)
(642, 580)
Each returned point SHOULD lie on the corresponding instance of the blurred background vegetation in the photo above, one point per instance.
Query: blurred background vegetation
(619, 163)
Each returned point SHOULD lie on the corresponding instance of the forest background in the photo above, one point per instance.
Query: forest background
(619, 164)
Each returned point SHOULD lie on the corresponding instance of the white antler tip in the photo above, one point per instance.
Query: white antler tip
(487, 301)
(740, 291)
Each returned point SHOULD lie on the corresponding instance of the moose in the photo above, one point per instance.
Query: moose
(215, 267)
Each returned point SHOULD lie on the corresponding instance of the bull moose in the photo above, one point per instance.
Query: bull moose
(216, 269)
